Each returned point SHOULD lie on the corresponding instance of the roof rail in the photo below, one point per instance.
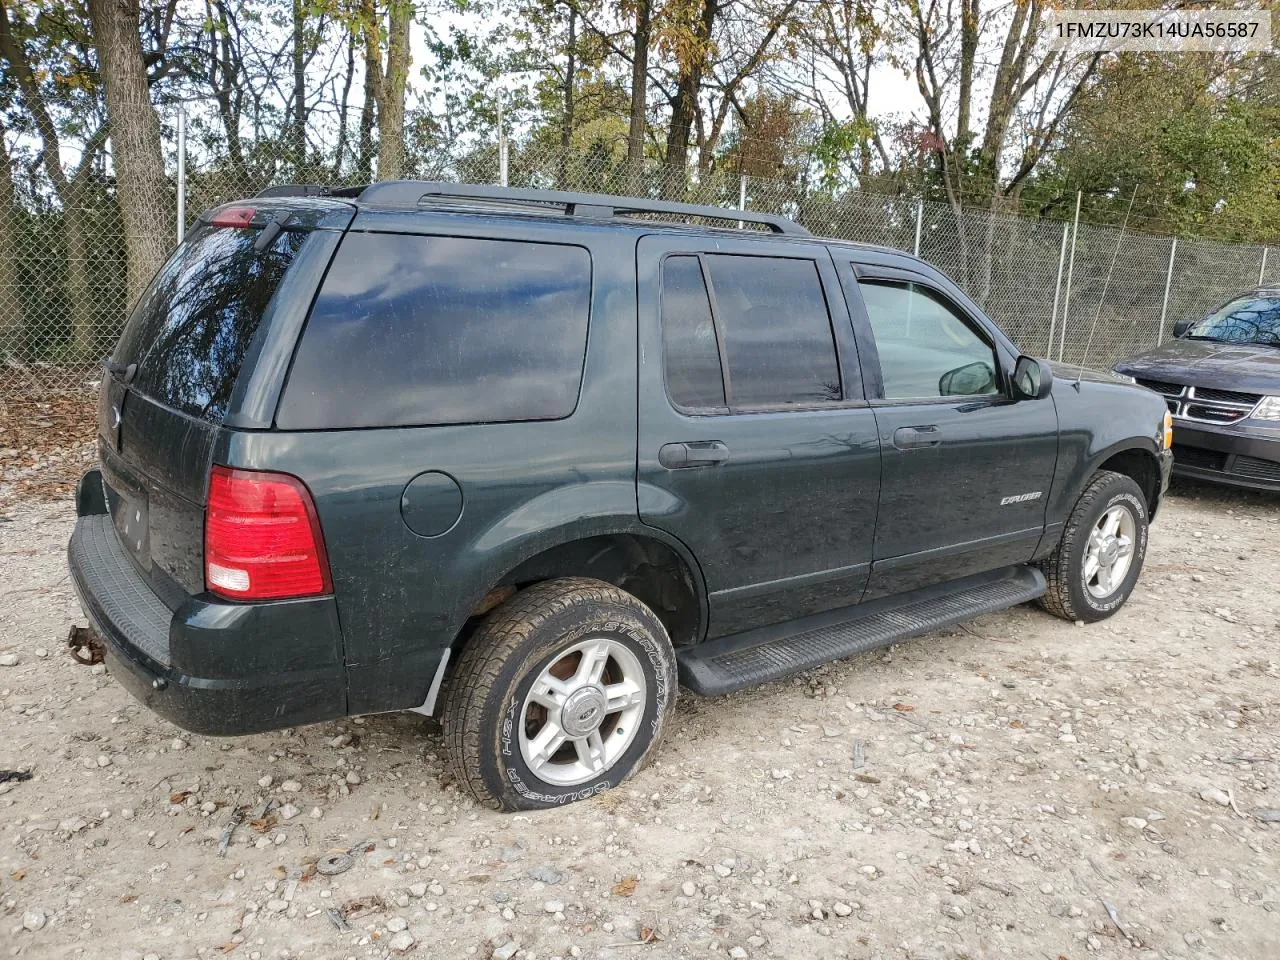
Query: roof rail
(309, 190)
(596, 206)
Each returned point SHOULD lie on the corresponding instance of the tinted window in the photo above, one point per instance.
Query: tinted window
(692, 356)
(429, 330)
(777, 332)
(191, 329)
(926, 349)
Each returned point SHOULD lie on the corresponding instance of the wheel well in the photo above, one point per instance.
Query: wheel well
(1141, 468)
(646, 568)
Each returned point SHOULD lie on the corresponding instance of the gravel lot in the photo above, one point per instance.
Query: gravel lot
(1018, 787)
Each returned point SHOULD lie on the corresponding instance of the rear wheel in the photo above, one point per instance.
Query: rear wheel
(1095, 566)
(562, 692)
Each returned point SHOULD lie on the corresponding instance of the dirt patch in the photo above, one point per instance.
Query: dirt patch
(1018, 787)
(46, 443)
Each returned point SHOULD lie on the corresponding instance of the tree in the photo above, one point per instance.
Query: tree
(391, 99)
(135, 139)
(643, 12)
(10, 295)
(70, 189)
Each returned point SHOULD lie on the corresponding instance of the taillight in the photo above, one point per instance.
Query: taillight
(262, 538)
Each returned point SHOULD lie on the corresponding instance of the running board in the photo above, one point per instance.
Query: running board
(770, 653)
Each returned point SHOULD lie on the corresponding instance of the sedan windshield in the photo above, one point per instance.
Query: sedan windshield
(1245, 320)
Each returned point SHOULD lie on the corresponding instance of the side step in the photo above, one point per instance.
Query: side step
(770, 653)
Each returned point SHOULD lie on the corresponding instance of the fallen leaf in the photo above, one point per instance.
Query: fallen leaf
(179, 796)
(626, 886)
(903, 707)
(865, 778)
(263, 824)
(1017, 724)
(228, 946)
(18, 874)
(649, 935)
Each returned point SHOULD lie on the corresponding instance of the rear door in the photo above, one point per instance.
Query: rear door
(967, 469)
(756, 445)
(175, 376)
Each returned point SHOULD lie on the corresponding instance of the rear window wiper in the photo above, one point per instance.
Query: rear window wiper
(271, 230)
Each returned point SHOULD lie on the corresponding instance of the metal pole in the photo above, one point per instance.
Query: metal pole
(1262, 270)
(742, 196)
(919, 225)
(1057, 289)
(1071, 269)
(1168, 282)
(502, 145)
(182, 174)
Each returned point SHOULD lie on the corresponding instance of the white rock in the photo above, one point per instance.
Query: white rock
(739, 953)
(396, 924)
(403, 942)
(291, 786)
(289, 811)
(353, 777)
(506, 951)
(1133, 823)
(34, 919)
(277, 906)
(688, 888)
(8, 660)
(842, 909)
(554, 906)
(178, 744)
(417, 889)
(1213, 795)
(266, 781)
(41, 652)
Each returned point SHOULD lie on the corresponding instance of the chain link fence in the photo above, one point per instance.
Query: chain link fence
(64, 294)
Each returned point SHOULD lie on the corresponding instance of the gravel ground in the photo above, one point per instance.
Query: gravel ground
(1018, 787)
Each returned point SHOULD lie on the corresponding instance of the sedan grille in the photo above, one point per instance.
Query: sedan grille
(1256, 468)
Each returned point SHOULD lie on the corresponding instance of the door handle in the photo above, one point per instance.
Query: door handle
(904, 438)
(695, 453)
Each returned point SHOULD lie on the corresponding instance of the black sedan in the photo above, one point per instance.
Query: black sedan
(1220, 376)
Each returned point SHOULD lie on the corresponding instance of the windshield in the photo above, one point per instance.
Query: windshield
(1245, 320)
(191, 330)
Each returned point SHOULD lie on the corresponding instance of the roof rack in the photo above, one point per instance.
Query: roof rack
(310, 190)
(596, 206)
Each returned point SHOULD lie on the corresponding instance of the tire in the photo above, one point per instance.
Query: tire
(1075, 594)
(527, 673)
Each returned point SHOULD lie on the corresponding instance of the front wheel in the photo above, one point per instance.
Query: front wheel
(1095, 566)
(562, 692)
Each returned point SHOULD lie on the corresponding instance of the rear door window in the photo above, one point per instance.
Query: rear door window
(192, 328)
(423, 330)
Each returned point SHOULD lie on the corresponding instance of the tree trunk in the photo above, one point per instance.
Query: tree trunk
(372, 34)
(391, 105)
(299, 110)
(639, 96)
(566, 125)
(340, 154)
(141, 186)
(685, 105)
(10, 297)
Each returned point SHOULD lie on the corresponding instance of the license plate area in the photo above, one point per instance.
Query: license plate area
(129, 508)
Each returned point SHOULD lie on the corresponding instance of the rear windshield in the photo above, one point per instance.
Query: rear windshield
(191, 329)
(421, 330)
(1253, 319)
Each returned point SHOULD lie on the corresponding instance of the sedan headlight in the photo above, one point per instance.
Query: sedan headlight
(1268, 409)
(1125, 377)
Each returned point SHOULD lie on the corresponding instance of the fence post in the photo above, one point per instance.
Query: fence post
(742, 196)
(182, 174)
(1071, 272)
(919, 224)
(1057, 290)
(1168, 281)
(1262, 270)
(502, 146)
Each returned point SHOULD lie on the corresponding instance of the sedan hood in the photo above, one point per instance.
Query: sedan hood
(1204, 363)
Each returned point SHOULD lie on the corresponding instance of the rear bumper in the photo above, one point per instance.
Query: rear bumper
(210, 667)
(1230, 455)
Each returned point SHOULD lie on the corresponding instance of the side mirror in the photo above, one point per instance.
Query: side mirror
(1032, 380)
(972, 380)
(1181, 327)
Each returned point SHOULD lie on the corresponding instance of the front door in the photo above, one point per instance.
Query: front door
(757, 447)
(967, 469)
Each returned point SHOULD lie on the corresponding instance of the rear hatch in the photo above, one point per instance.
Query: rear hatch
(171, 382)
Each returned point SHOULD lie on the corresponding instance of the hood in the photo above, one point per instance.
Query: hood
(1069, 371)
(1204, 363)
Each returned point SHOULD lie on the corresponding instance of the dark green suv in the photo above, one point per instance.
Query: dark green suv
(528, 459)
